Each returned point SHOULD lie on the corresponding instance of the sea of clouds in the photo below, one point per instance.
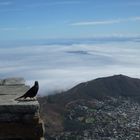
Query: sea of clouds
(61, 66)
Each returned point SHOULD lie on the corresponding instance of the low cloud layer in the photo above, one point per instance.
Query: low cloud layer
(59, 67)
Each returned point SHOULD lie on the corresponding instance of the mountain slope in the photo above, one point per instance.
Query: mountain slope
(117, 85)
(102, 104)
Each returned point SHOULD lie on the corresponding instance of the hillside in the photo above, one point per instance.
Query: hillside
(102, 103)
(114, 86)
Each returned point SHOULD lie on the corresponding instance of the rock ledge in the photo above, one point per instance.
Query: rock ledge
(18, 119)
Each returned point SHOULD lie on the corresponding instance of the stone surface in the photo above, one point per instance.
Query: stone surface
(18, 119)
(8, 94)
(32, 131)
(13, 81)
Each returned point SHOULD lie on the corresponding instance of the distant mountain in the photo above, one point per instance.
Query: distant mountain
(114, 86)
(89, 105)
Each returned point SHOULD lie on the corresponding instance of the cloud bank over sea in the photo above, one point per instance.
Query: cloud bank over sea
(60, 66)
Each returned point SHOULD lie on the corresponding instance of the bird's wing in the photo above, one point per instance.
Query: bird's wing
(26, 94)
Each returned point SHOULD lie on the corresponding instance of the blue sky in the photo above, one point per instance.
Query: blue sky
(44, 19)
(61, 43)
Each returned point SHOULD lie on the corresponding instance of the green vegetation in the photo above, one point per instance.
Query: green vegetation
(90, 120)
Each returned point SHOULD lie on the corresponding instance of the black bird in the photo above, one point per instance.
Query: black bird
(31, 92)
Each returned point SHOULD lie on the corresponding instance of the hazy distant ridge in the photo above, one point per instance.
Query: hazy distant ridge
(117, 85)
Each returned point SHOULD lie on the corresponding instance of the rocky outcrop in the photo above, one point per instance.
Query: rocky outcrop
(18, 119)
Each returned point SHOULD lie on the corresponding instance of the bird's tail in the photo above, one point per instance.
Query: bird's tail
(19, 97)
